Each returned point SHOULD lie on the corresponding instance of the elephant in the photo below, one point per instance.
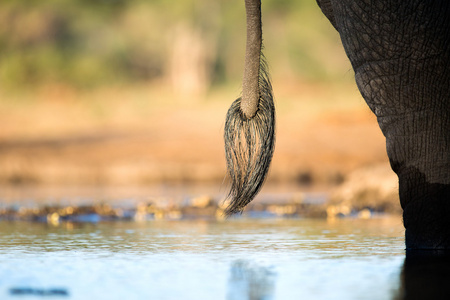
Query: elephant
(400, 53)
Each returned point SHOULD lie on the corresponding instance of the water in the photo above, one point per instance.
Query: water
(235, 259)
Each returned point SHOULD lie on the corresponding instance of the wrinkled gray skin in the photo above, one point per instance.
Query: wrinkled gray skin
(400, 52)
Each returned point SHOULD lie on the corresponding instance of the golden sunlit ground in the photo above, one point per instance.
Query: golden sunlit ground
(148, 134)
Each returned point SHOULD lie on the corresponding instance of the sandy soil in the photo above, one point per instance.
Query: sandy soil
(149, 135)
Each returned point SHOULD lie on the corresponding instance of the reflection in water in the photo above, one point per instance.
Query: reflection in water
(191, 260)
(250, 281)
(425, 275)
(27, 291)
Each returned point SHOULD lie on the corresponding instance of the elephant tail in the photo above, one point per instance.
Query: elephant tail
(250, 121)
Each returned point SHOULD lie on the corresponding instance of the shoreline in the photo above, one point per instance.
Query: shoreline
(75, 204)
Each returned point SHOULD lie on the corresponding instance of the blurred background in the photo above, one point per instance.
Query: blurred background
(134, 93)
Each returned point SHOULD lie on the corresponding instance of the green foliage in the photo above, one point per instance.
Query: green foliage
(87, 43)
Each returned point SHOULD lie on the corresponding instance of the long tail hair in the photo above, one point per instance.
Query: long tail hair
(250, 139)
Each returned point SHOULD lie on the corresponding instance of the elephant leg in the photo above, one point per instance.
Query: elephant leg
(400, 52)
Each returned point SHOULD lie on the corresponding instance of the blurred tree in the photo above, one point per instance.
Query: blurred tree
(191, 44)
(193, 50)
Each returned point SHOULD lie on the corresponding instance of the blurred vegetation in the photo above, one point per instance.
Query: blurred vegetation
(191, 44)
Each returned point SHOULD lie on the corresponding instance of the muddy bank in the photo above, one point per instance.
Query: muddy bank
(365, 193)
(373, 188)
(201, 208)
(153, 211)
(56, 209)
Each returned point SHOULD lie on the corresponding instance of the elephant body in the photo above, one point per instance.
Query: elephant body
(400, 52)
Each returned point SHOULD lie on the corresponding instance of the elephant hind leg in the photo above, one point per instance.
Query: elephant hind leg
(426, 215)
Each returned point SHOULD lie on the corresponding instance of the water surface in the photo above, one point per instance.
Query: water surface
(234, 259)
